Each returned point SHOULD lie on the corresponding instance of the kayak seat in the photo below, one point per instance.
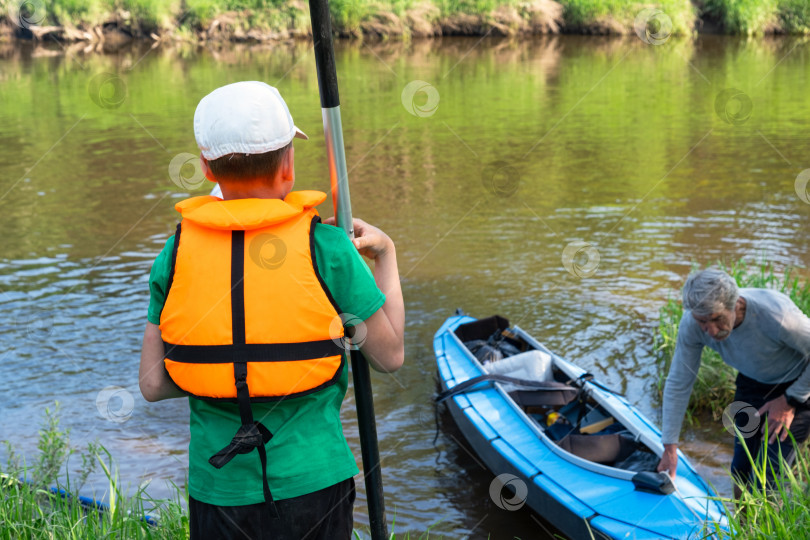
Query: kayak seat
(481, 328)
(531, 399)
(605, 449)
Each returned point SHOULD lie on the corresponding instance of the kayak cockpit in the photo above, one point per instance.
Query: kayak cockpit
(557, 402)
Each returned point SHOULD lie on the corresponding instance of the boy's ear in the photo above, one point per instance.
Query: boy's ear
(205, 169)
(288, 165)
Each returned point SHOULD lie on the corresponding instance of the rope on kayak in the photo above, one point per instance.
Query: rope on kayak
(589, 377)
(550, 386)
(436, 414)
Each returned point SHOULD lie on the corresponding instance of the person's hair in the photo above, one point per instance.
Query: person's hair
(709, 291)
(240, 167)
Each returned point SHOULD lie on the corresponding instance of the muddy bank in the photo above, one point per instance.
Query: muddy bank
(291, 22)
(420, 19)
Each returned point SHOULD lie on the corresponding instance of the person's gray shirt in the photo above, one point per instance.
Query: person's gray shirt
(770, 346)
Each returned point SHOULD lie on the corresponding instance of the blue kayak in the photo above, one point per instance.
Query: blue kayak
(574, 451)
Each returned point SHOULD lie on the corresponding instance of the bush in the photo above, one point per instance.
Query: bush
(794, 16)
(747, 17)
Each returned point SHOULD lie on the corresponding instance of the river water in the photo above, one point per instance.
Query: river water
(506, 152)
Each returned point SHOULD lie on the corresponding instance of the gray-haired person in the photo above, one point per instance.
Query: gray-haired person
(762, 334)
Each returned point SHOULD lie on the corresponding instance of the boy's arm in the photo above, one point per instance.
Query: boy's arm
(154, 381)
(383, 346)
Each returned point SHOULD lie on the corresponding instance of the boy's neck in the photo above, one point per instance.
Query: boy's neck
(252, 191)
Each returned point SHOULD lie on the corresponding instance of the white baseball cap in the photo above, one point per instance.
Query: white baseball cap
(248, 117)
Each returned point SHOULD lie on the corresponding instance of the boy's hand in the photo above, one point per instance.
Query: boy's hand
(384, 345)
(370, 241)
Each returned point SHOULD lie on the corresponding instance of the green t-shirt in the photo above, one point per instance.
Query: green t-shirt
(308, 451)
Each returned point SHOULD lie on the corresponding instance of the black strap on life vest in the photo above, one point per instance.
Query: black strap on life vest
(173, 264)
(251, 434)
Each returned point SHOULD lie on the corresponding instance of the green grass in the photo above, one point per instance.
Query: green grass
(348, 14)
(75, 12)
(474, 7)
(780, 511)
(746, 17)
(30, 510)
(151, 15)
(582, 15)
(714, 387)
(755, 17)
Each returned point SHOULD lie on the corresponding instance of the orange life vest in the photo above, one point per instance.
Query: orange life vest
(245, 288)
(247, 317)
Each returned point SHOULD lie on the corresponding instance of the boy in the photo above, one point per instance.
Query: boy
(245, 315)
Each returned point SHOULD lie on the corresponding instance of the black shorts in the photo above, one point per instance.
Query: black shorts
(321, 515)
(756, 394)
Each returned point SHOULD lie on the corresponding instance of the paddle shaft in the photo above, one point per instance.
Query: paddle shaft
(339, 178)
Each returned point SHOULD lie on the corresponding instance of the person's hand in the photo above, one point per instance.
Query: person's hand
(370, 241)
(385, 329)
(780, 417)
(669, 460)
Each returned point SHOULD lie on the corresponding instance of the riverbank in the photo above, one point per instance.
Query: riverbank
(260, 21)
